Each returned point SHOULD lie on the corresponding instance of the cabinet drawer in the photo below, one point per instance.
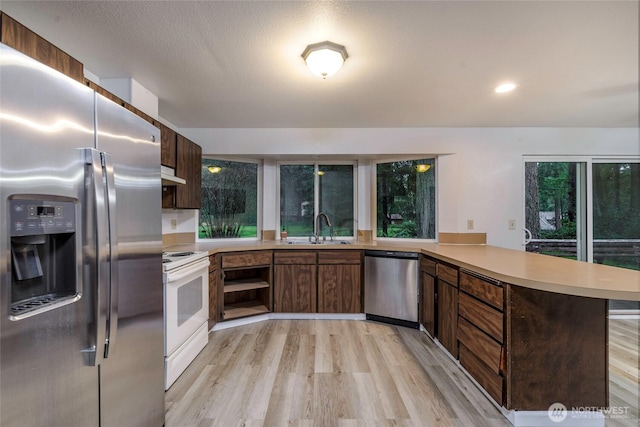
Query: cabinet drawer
(448, 274)
(427, 265)
(481, 315)
(339, 257)
(246, 259)
(491, 382)
(483, 347)
(294, 257)
(491, 293)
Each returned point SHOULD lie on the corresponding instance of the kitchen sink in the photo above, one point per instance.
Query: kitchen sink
(326, 242)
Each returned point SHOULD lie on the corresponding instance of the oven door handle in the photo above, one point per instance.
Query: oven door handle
(186, 272)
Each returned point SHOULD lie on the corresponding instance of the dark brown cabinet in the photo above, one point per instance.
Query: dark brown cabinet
(294, 282)
(481, 331)
(214, 279)
(19, 37)
(447, 280)
(167, 146)
(339, 282)
(428, 294)
(188, 167)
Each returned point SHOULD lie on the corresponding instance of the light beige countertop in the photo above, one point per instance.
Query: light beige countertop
(520, 268)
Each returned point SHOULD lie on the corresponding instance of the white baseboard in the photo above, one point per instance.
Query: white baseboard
(287, 316)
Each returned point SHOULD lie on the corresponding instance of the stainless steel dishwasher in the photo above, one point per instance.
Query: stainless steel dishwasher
(391, 287)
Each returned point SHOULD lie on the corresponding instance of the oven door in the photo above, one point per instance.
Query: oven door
(186, 303)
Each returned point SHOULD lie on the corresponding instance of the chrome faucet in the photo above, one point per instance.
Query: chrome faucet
(316, 226)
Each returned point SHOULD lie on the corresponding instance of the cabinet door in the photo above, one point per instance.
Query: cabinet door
(214, 283)
(428, 303)
(448, 316)
(339, 288)
(294, 288)
(189, 167)
(167, 146)
(213, 297)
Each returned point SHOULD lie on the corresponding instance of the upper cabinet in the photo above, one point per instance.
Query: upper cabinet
(19, 37)
(189, 167)
(167, 146)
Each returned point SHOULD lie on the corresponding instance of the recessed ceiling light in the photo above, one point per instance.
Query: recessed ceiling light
(506, 87)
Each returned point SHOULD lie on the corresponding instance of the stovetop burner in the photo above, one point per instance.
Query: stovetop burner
(178, 254)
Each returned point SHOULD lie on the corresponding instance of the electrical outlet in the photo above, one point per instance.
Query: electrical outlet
(469, 224)
(174, 224)
(512, 224)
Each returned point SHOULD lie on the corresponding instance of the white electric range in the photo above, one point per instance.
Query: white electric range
(186, 309)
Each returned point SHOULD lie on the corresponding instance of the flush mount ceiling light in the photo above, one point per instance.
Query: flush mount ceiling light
(325, 59)
(506, 87)
(214, 169)
(423, 168)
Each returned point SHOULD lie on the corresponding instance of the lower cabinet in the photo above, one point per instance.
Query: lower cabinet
(481, 331)
(339, 282)
(246, 284)
(214, 279)
(294, 282)
(447, 332)
(428, 295)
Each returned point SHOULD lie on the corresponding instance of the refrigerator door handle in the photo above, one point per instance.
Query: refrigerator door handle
(97, 230)
(112, 314)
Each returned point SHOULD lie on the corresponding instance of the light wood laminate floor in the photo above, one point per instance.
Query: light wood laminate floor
(347, 373)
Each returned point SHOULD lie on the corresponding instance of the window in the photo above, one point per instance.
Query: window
(406, 199)
(616, 214)
(308, 189)
(229, 200)
(561, 199)
(555, 208)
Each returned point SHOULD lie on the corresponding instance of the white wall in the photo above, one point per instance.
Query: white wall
(480, 170)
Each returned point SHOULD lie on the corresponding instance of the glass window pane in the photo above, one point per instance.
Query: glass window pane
(554, 208)
(616, 214)
(336, 197)
(229, 199)
(406, 199)
(296, 199)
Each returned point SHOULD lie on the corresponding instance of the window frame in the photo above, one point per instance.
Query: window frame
(259, 200)
(588, 161)
(316, 194)
(374, 197)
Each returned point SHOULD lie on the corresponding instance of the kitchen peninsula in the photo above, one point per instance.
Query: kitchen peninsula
(529, 329)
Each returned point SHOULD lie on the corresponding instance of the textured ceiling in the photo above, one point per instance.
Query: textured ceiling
(412, 64)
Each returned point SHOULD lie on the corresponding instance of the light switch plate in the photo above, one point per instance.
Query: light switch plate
(512, 224)
(469, 224)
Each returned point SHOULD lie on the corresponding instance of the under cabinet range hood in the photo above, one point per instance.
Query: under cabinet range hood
(169, 176)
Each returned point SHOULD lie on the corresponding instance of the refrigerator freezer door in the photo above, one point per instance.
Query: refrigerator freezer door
(45, 120)
(134, 366)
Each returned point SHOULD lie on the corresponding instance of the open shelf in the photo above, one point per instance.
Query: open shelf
(244, 285)
(243, 309)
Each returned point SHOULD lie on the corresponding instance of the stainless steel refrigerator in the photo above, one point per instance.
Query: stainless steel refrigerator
(81, 325)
